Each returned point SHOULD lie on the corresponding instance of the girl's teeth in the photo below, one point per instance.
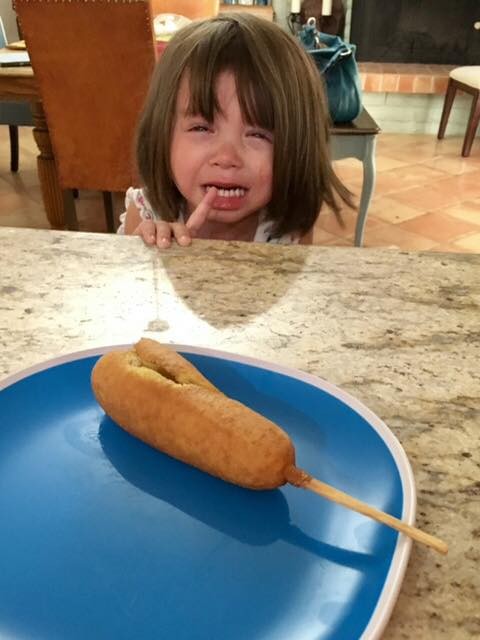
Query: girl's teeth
(229, 193)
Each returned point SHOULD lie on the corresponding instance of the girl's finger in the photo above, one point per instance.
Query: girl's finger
(181, 233)
(200, 214)
(164, 234)
(146, 229)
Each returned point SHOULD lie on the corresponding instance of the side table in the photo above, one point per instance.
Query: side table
(357, 139)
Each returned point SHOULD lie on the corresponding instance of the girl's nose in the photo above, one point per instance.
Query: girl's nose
(226, 156)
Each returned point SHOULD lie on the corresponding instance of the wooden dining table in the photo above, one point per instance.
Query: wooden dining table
(399, 331)
(19, 83)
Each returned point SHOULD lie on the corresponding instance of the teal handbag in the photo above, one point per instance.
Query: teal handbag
(335, 60)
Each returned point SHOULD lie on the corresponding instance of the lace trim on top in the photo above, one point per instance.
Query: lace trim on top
(137, 197)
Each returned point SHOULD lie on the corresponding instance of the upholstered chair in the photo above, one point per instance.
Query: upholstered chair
(14, 114)
(465, 79)
(93, 61)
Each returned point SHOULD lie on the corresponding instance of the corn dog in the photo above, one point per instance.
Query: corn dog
(159, 397)
(162, 399)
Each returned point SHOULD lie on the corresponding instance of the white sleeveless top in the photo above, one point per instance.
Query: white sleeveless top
(138, 198)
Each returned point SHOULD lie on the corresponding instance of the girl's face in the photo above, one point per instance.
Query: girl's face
(233, 156)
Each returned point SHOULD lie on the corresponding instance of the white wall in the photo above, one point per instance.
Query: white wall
(281, 9)
(416, 113)
(9, 22)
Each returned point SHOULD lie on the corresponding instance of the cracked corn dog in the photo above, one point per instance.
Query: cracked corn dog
(159, 397)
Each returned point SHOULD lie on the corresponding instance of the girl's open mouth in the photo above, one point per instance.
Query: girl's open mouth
(229, 197)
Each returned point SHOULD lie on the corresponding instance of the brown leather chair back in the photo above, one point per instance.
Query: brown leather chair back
(193, 9)
(93, 60)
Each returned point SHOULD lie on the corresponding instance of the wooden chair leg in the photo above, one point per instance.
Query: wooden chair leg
(70, 212)
(13, 131)
(472, 125)
(447, 107)
(108, 206)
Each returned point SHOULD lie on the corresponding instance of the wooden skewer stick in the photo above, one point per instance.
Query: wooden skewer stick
(303, 480)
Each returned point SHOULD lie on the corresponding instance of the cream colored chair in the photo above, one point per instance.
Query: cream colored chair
(465, 79)
(193, 9)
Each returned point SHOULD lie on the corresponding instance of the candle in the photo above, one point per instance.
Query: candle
(295, 8)
(327, 8)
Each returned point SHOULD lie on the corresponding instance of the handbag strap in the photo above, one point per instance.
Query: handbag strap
(339, 55)
(333, 45)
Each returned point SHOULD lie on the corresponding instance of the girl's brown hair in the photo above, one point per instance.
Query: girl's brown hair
(279, 89)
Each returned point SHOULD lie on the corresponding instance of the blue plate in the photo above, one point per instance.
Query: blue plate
(103, 537)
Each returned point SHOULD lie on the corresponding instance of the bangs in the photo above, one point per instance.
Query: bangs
(232, 55)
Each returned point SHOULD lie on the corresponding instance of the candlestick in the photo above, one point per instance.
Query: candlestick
(295, 7)
(327, 8)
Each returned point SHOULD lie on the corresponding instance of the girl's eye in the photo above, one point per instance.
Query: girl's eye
(199, 127)
(261, 134)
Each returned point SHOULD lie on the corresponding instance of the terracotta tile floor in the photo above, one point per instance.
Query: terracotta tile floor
(427, 196)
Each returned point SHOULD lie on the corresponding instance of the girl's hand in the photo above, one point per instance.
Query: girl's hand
(161, 232)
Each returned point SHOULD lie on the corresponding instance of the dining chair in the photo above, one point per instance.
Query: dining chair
(193, 9)
(93, 61)
(14, 114)
(465, 79)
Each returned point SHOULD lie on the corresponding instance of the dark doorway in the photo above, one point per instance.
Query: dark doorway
(422, 31)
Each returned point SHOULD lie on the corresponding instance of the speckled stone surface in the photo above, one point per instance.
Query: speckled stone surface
(399, 331)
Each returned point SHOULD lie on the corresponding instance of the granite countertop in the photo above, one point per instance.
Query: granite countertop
(400, 331)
